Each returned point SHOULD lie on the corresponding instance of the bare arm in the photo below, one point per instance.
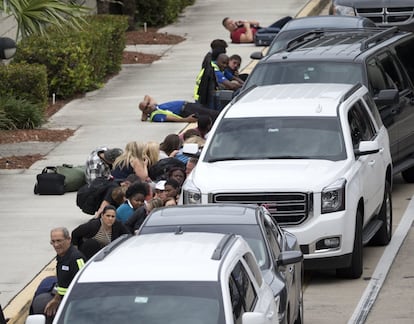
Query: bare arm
(247, 37)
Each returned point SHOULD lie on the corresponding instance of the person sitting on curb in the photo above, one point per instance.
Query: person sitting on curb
(220, 66)
(173, 111)
(69, 262)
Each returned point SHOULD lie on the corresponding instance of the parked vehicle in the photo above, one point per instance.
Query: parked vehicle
(380, 59)
(384, 13)
(175, 278)
(269, 242)
(305, 26)
(317, 155)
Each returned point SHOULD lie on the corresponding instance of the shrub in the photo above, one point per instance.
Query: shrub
(24, 81)
(160, 12)
(77, 61)
(19, 113)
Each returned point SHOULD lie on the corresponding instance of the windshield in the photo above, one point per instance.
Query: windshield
(304, 72)
(251, 233)
(144, 303)
(276, 138)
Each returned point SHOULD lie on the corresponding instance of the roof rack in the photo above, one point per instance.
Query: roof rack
(109, 248)
(219, 250)
(385, 34)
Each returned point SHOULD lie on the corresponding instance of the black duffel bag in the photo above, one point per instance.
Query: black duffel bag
(49, 182)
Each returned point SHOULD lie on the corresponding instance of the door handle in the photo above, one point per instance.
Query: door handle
(371, 163)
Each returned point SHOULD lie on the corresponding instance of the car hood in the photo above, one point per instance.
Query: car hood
(258, 175)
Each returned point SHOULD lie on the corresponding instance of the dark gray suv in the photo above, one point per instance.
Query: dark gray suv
(384, 13)
(381, 59)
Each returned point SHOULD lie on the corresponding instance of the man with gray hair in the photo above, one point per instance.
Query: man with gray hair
(69, 262)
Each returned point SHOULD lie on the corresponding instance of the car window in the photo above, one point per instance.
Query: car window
(389, 65)
(377, 79)
(404, 52)
(242, 292)
(304, 72)
(277, 138)
(360, 125)
(252, 263)
(143, 302)
(272, 239)
(374, 109)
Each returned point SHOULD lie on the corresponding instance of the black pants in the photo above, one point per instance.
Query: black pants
(194, 108)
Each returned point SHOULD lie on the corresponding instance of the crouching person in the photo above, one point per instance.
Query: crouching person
(69, 260)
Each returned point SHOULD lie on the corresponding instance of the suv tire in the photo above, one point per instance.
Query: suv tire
(383, 236)
(354, 271)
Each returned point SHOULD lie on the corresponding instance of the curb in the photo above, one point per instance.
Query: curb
(18, 308)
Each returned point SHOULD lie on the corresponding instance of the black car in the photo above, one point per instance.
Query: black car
(303, 26)
(385, 13)
(380, 59)
(269, 242)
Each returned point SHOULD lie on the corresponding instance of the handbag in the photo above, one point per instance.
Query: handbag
(49, 182)
(74, 176)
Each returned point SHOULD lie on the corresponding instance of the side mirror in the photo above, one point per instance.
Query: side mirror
(367, 147)
(289, 257)
(254, 318)
(191, 149)
(256, 55)
(387, 97)
(36, 319)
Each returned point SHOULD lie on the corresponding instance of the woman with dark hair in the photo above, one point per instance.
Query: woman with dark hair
(170, 146)
(93, 235)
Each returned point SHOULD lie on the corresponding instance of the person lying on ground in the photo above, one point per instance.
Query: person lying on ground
(173, 111)
(243, 31)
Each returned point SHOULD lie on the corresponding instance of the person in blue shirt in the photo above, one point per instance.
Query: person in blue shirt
(135, 197)
(173, 111)
(220, 65)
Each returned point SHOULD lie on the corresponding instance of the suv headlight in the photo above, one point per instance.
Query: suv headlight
(191, 194)
(343, 11)
(333, 197)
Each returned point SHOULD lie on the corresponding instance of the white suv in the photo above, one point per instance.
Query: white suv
(175, 278)
(316, 155)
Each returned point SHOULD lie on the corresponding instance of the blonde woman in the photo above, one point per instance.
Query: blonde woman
(133, 160)
(152, 151)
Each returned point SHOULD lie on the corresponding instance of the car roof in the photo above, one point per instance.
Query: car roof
(341, 45)
(198, 214)
(304, 99)
(328, 21)
(158, 257)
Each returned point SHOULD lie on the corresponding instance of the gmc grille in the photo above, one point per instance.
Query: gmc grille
(288, 208)
(381, 15)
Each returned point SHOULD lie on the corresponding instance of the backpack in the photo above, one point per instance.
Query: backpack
(159, 171)
(89, 197)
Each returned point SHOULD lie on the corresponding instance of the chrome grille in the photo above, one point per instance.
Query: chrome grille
(381, 15)
(287, 208)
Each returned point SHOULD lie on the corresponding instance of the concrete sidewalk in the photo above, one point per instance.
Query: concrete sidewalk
(109, 116)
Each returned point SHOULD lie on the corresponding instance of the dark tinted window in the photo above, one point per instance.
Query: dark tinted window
(389, 65)
(377, 78)
(405, 52)
(304, 72)
(360, 124)
(242, 292)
